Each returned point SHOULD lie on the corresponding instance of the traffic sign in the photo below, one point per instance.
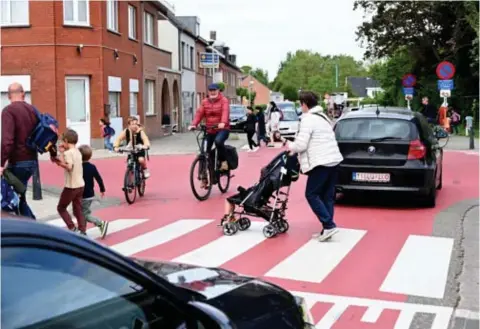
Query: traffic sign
(409, 80)
(209, 60)
(445, 84)
(408, 91)
(408, 97)
(445, 93)
(445, 70)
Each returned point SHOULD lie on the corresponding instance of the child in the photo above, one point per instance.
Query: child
(70, 159)
(107, 134)
(90, 173)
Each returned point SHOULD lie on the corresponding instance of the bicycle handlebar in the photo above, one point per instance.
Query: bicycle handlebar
(205, 127)
(136, 149)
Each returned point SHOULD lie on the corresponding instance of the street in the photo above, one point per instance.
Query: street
(390, 266)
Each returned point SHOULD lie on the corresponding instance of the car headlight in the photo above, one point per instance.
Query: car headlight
(306, 315)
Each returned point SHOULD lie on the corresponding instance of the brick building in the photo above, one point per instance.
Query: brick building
(262, 91)
(230, 74)
(83, 60)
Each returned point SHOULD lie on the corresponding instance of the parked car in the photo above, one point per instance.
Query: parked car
(389, 149)
(53, 278)
(290, 122)
(238, 117)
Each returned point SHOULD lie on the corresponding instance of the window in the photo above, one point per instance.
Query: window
(132, 22)
(112, 15)
(14, 12)
(71, 292)
(149, 97)
(191, 58)
(368, 128)
(133, 104)
(148, 28)
(4, 101)
(76, 12)
(184, 54)
(114, 101)
(77, 99)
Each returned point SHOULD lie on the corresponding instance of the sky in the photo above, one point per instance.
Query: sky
(261, 32)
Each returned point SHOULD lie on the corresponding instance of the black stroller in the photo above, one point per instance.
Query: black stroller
(256, 200)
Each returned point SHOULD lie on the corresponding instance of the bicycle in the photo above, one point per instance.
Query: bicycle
(134, 178)
(208, 171)
(440, 133)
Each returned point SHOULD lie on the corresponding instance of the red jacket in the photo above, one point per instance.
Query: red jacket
(214, 112)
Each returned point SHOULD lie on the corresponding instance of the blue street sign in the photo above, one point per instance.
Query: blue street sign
(408, 91)
(445, 85)
(209, 60)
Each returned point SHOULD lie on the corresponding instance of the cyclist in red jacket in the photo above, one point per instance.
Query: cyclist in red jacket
(216, 111)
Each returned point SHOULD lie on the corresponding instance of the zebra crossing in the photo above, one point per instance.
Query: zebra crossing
(419, 268)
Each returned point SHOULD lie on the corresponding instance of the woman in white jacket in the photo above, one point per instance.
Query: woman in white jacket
(319, 158)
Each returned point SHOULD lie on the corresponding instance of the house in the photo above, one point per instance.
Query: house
(228, 72)
(79, 61)
(204, 76)
(263, 93)
(364, 87)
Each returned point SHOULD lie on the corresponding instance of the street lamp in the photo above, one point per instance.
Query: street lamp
(250, 86)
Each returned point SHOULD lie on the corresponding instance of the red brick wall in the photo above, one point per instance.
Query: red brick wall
(201, 78)
(231, 89)
(263, 93)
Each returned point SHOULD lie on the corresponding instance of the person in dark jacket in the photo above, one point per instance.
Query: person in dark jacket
(90, 173)
(429, 111)
(261, 127)
(250, 129)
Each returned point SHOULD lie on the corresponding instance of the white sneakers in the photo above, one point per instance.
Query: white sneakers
(325, 234)
(146, 173)
(255, 149)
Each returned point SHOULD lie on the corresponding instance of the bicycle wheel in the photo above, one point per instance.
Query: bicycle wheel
(199, 173)
(129, 186)
(141, 187)
(223, 186)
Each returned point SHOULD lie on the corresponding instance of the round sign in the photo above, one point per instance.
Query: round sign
(408, 97)
(445, 70)
(409, 80)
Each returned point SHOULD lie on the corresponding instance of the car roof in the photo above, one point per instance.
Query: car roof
(390, 112)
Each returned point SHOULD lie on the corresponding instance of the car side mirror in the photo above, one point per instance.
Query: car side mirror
(441, 133)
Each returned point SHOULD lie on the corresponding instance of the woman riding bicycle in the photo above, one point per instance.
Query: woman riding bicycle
(135, 136)
(216, 111)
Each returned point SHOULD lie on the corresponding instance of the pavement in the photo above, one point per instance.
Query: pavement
(391, 266)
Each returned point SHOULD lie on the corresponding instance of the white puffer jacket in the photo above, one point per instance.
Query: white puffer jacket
(315, 142)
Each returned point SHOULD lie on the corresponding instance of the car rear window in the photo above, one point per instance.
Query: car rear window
(371, 128)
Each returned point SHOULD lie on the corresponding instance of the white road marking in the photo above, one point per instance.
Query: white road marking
(115, 226)
(225, 248)
(159, 236)
(421, 267)
(467, 314)
(314, 261)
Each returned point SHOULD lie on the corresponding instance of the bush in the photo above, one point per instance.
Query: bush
(221, 85)
(261, 107)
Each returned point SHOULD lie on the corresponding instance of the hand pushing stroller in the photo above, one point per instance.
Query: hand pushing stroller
(256, 201)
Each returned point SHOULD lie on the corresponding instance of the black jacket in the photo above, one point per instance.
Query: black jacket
(250, 124)
(90, 173)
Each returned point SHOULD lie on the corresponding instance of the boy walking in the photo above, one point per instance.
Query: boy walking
(70, 159)
(90, 173)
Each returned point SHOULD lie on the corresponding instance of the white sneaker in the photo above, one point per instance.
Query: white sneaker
(255, 149)
(146, 173)
(327, 234)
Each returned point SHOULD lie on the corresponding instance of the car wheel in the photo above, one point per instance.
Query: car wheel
(440, 184)
(431, 198)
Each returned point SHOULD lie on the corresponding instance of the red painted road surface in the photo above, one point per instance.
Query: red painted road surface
(359, 274)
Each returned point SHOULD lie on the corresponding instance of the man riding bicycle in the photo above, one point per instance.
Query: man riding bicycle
(135, 136)
(216, 111)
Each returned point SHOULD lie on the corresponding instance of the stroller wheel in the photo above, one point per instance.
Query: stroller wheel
(244, 223)
(283, 226)
(230, 228)
(269, 231)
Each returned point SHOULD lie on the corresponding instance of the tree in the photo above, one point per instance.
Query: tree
(289, 92)
(244, 93)
(257, 73)
(307, 70)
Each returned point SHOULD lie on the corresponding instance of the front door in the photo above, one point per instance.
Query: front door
(77, 96)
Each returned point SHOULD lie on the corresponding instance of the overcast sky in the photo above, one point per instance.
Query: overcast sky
(261, 32)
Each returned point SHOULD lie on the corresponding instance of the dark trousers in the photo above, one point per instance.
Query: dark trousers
(454, 127)
(219, 139)
(251, 143)
(320, 194)
(24, 170)
(75, 197)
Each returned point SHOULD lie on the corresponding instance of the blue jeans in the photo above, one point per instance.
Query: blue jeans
(219, 139)
(24, 170)
(107, 141)
(320, 193)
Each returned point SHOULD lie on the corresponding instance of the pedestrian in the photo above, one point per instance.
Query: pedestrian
(261, 127)
(90, 173)
(319, 157)
(70, 159)
(107, 133)
(468, 124)
(330, 105)
(429, 111)
(250, 126)
(18, 122)
(274, 122)
(455, 120)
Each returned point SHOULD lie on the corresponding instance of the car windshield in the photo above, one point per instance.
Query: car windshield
(375, 128)
(290, 115)
(237, 111)
(284, 106)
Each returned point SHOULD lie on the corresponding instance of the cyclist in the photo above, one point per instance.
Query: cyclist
(216, 111)
(134, 135)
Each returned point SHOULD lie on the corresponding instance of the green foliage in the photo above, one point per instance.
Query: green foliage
(413, 37)
(221, 85)
(307, 70)
(242, 92)
(257, 73)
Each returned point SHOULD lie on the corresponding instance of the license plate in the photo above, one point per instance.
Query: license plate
(370, 177)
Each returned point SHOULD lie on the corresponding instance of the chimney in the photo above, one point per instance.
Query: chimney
(226, 52)
(233, 59)
(213, 35)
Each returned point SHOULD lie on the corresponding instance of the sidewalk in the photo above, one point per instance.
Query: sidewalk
(183, 143)
(461, 143)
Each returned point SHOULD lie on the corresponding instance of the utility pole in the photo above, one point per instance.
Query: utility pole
(336, 75)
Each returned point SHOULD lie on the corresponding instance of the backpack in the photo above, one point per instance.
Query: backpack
(232, 157)
(10, 198)
(45, 134)
(109, 131)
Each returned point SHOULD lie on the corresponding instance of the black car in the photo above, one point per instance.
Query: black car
(52, 278)
(389, 149)
(238, 117)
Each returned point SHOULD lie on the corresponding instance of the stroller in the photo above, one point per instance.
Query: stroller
(256, 200)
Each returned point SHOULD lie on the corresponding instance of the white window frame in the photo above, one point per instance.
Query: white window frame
(8, 3)
(148, 36)
(149, 97)
(132, 22)
(117, 114)
(112, 15)
(75, 21)
(85, 80)
(133, 96)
